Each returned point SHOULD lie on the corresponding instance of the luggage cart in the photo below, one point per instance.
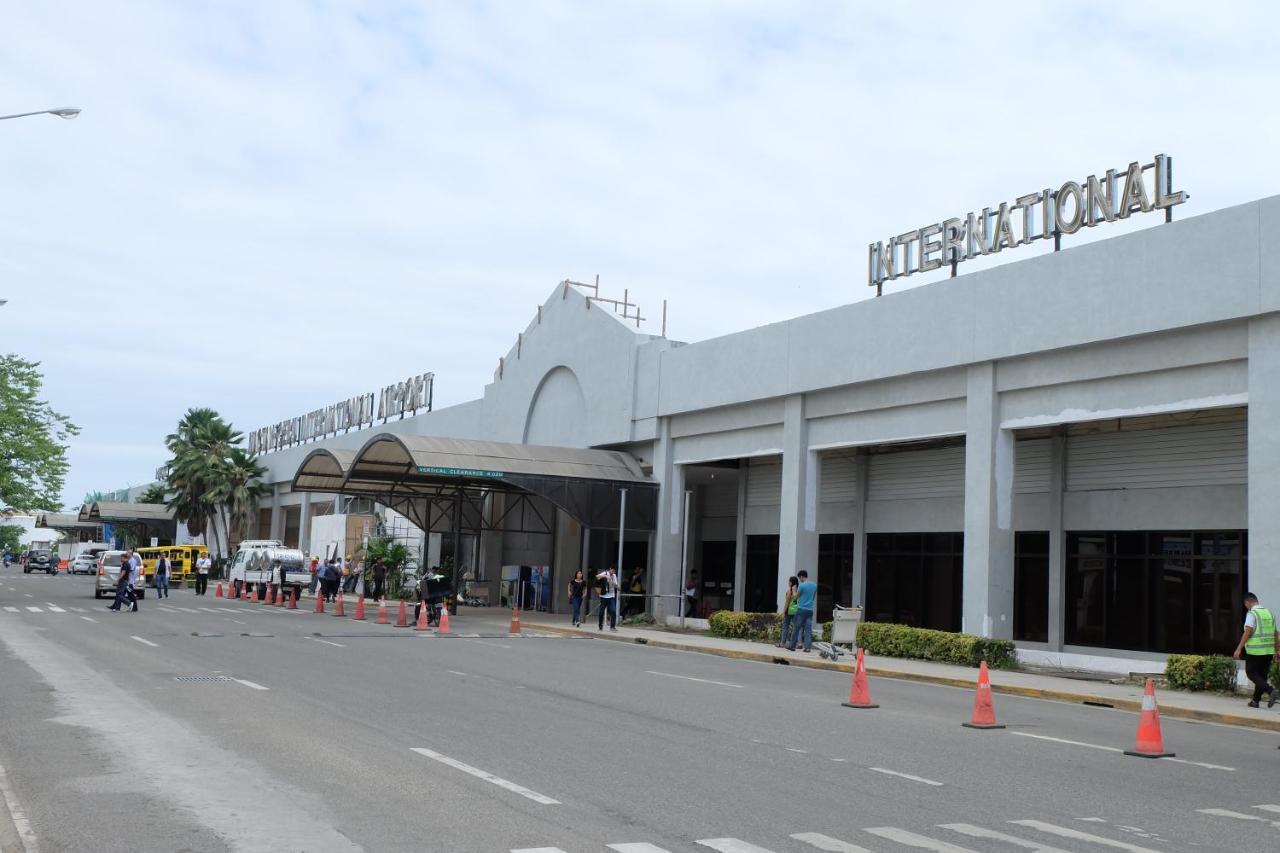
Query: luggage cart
(844, 632)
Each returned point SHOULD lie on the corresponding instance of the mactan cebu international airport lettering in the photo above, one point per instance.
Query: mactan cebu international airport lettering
(1036, 216)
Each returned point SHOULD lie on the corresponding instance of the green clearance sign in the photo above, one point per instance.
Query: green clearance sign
(474, 473)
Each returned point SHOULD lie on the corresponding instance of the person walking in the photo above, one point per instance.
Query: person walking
(379, 579)
(577, 589)
(790, 605)
(802, 626)
(636, 603)
(691, 596)
(135, 572)
(162, 577)
(607, 583)
(202, 573)
(1258, 648)
(280, 576)
(315, 575)
(123, 592)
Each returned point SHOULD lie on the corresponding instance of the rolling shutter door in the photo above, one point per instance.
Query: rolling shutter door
(1033, 462)
(1201, 455)
(839, 478)
(764, 483)
(934, 473)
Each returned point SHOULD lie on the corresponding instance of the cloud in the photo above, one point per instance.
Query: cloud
(268, 206)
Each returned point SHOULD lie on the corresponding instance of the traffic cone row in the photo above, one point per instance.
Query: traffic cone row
(423, 607)
(359, 617)
(402, 618)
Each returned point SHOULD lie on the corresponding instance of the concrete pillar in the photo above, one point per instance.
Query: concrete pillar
(859, 594)
(740, 540)
(798, 521)
(668, 538)
(1057, 543)
(1264, 459)
(277, 515)
(304, 524)
(988, 511)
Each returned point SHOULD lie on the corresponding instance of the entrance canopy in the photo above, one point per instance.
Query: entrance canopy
(147, 520)
(455, 485)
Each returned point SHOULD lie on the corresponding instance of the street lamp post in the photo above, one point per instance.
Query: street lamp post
(60, 112)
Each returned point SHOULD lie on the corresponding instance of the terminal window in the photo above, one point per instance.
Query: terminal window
(915, 579)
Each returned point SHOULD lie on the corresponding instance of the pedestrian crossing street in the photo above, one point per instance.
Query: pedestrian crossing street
(1090, 834)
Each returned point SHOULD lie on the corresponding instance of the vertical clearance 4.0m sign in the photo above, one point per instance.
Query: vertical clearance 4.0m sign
(1035, 216)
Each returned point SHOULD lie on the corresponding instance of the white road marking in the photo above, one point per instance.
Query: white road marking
(87, 619)
(905, 776)
(731, 845)
(826, 842)
(691, 678)
(35, 609)
(793, 749)
(979, 832)
(327, 642)
(1069, 742)
(488, 777)
(166, 608)
(1198, 764)
(1077, 835)
(636, 848)
(28, 595)
(188, 610)
(252, 684)
(26, 835)
(77, 609)
(238, 622)
(13, 610)
(1238, 815)
(839, 759)
(455, 672)
(1269, 808)
(538, 850)
(210, 610)
(144, 642)
(53, 607)
(910, 839)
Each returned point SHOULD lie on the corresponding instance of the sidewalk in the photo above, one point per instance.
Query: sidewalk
(1209, 707)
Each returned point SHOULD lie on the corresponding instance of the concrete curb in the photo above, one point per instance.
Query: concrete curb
(1174, 711)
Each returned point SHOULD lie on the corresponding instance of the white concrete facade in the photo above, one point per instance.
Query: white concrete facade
(999, 388)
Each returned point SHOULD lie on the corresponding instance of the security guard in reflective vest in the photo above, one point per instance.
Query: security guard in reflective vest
(1258, 647)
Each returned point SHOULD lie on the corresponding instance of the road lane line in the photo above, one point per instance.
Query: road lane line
(637, 848)
(35, 609)
(87, 619)
(252, 684)
(326, 642)
(1068, 742)
(731, 845)
(210, 610)
(826, 842)
(1239, 816)
(488, 777)
(144, 642)
(905, 776)
(13, 610)
(53, 607)
(538, 850)
(1198, 764)
(691, 678)
(26, 835)
(979, 832)
(793, 749)
(1269, 808)
(28, 595)
(77, 609)
(910, 839)
(1077, 835)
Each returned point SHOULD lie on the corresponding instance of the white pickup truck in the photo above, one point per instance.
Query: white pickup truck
(252, 566)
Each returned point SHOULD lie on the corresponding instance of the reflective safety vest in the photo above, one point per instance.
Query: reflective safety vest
(1263, 639)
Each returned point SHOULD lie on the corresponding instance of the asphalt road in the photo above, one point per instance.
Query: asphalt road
(206, 725)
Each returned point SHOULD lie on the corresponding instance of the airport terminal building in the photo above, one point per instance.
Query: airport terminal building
(1078, 450)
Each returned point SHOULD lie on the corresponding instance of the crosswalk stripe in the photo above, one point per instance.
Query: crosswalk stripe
(538, 850)
(731, 845)
(636, 848)
(54, 608)
(911, 839)
(188, 610)
(486, 776)
(210, 610)
(979, 832)
(826, 842)
(1077, 835)
(78, 610)
(35, 609)
(13, 610)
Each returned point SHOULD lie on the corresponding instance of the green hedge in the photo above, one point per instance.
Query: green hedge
(1201, 672)
(760, 627)
(904, 641)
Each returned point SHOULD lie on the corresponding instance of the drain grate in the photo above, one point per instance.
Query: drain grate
(202, 679)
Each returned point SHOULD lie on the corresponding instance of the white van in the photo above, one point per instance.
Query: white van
(109, 569)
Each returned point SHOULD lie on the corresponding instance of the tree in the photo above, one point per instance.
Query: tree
(153, 494)
(11, 538)
(395, 555)
(33, 439)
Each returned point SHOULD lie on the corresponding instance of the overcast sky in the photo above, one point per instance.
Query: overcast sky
(269, 206)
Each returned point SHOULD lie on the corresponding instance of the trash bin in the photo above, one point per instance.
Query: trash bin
(844, 625)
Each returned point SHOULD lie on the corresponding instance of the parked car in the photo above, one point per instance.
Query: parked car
(109, 570)
(83, 564)
(40, 560)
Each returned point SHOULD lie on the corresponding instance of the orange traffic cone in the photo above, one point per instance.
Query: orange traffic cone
(293, 602)
(860, 691)
(402, 618)
(515, 620)
(217, 592)
(244, 592)
(382, 612)
(359, 617)
(284, 593)
(423, 607)
(443, 627)
(271, 595)
(319, 601)
(984, 711)
(262, 594)
(341, 609)
(1150, 743)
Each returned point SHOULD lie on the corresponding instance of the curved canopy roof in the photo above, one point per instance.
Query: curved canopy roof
(396, 469)
(113, 511)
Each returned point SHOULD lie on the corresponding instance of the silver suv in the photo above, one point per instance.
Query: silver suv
(109, 570)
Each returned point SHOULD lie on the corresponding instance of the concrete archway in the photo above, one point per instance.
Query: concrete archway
(558, 411)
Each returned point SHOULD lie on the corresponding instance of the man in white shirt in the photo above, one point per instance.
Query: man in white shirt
(607, 583)
(202, 574)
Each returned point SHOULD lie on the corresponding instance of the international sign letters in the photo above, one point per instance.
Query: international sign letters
(1141, 188)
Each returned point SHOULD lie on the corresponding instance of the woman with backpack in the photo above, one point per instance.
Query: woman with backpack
(789, 608)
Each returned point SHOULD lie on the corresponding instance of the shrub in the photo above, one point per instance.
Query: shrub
(1201, 672)
(762, 627)
(904, 641)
